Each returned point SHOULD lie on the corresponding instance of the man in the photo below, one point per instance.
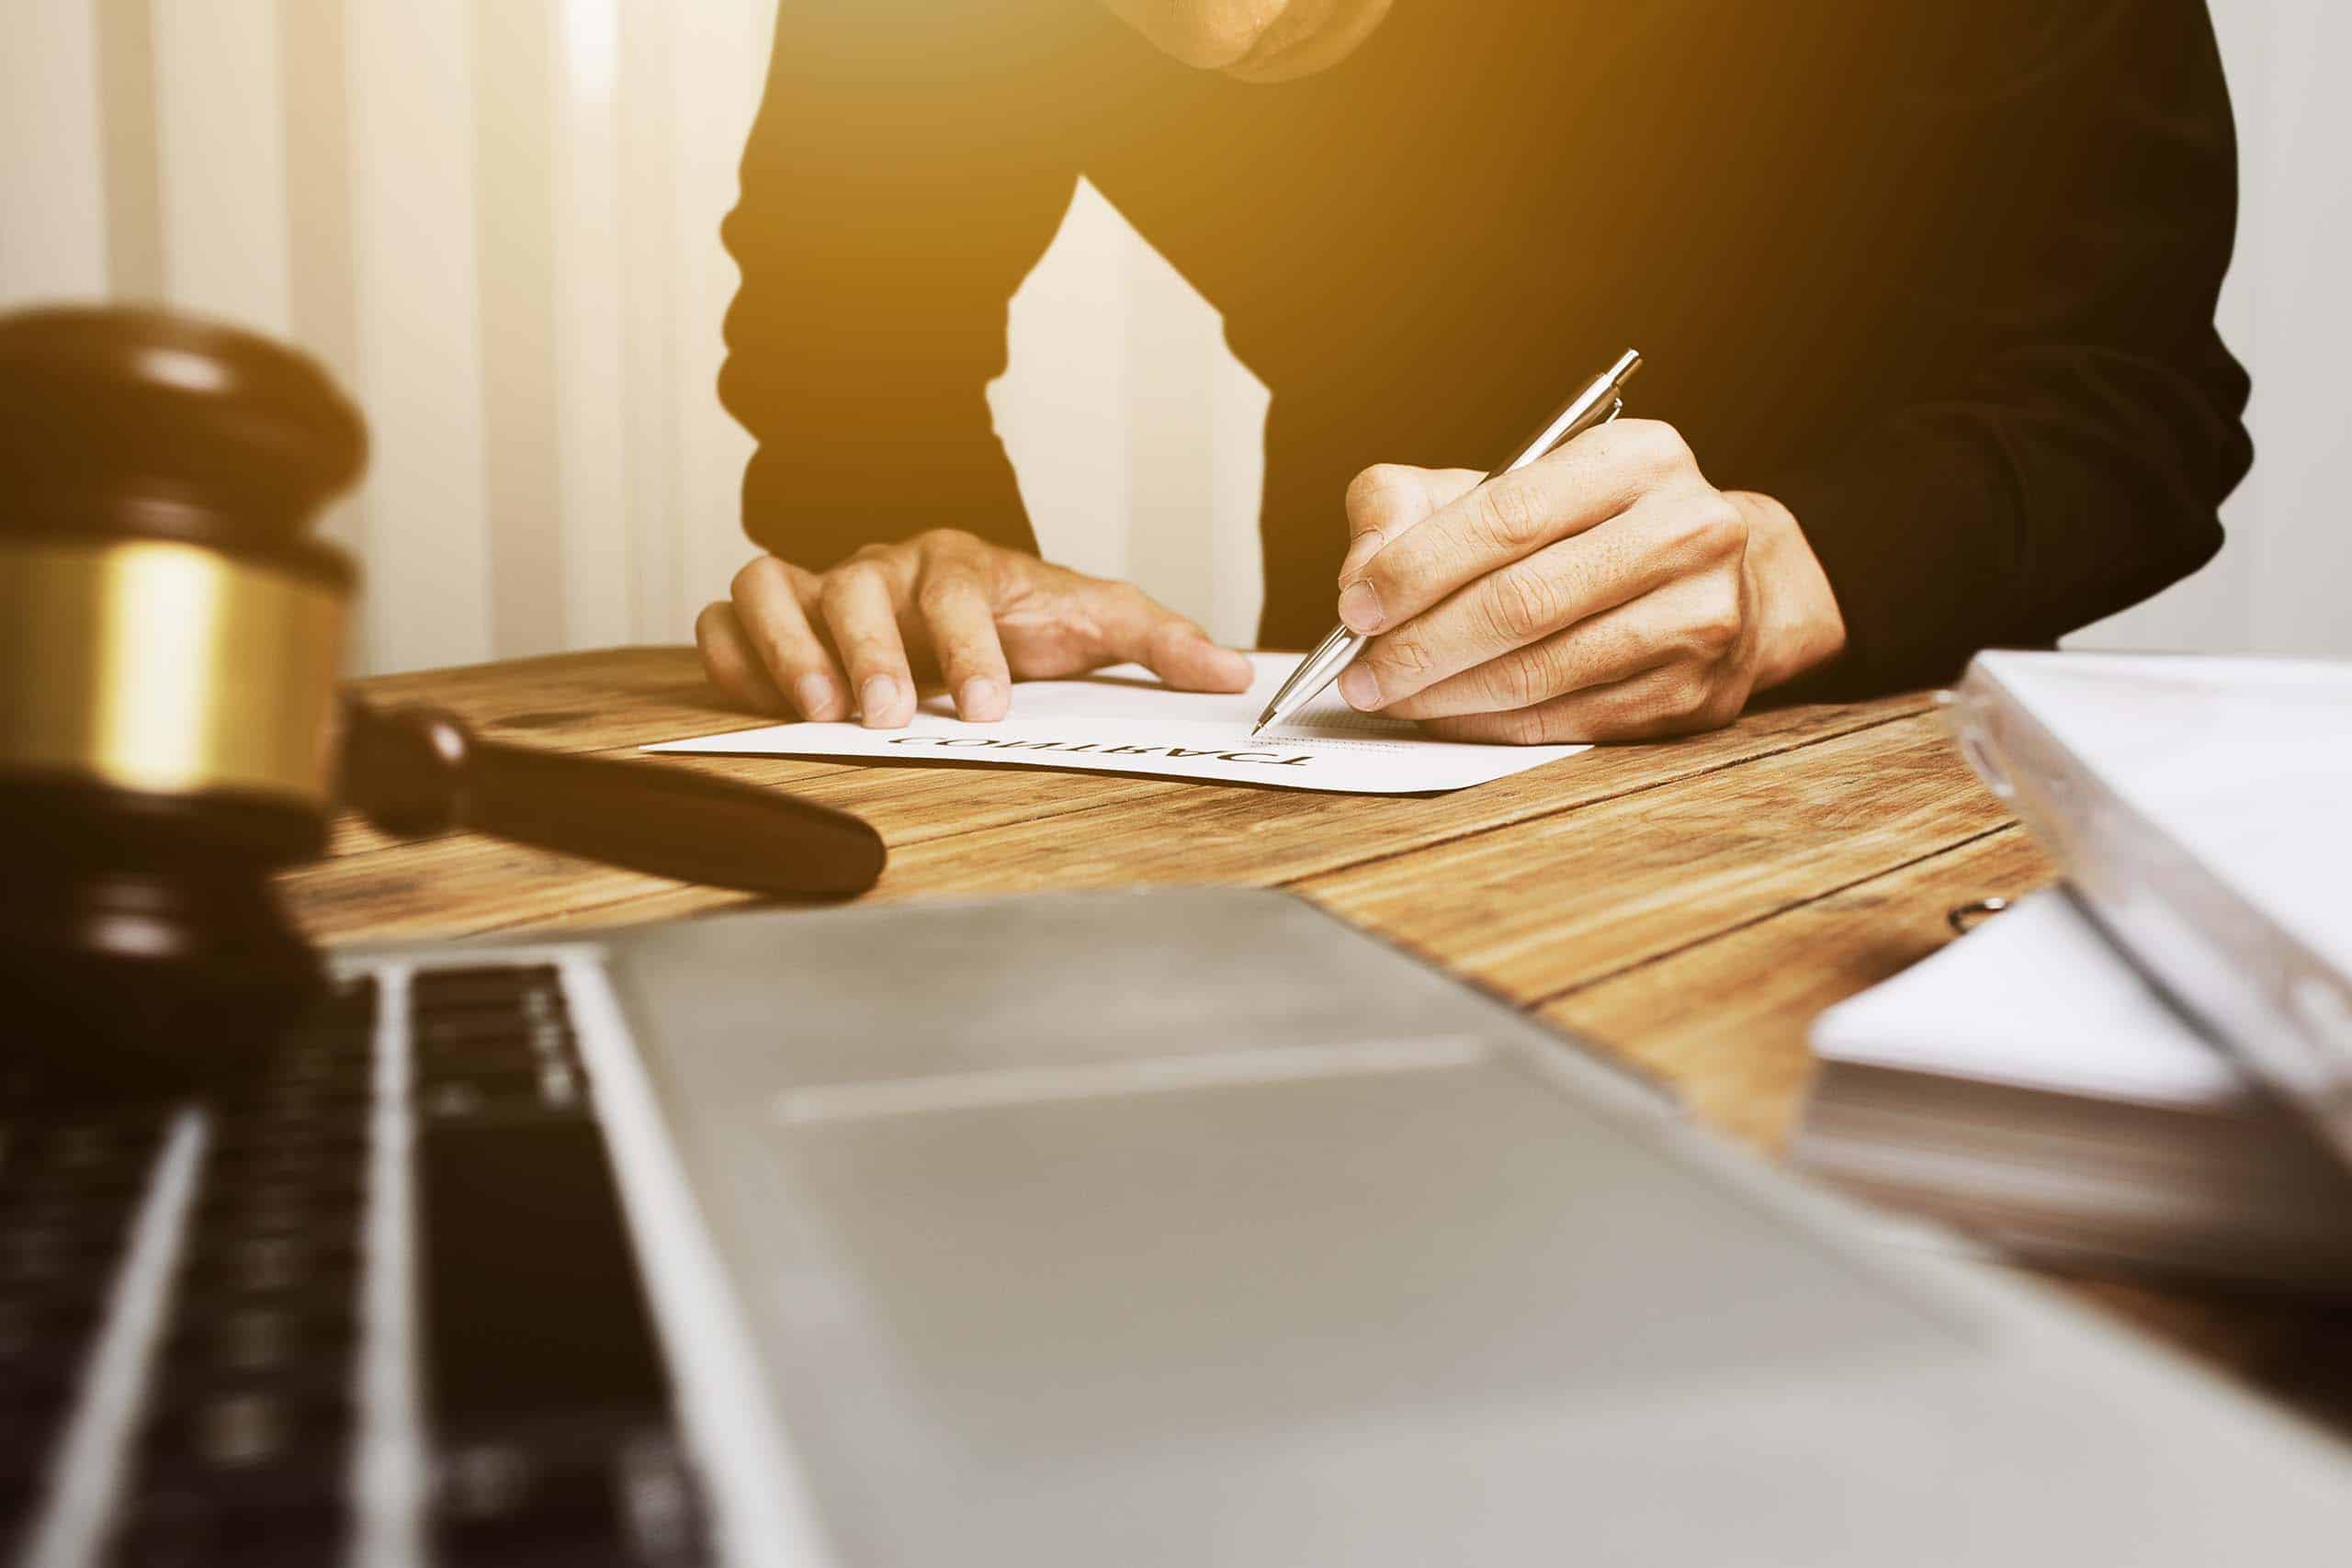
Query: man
(1926, 293)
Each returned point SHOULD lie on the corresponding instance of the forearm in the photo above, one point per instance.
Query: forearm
(894, 189)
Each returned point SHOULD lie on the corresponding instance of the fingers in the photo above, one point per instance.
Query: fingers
(728, 659)
(1500, 620)
(1389, 497)
(770, 612)
(1586, 483)
(849, 639)
(1611, 646)
(953, 602)
(1675, 699)
(863, 621)
(1135, 628)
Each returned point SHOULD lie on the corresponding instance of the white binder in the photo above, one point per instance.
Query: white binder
(2202, 808)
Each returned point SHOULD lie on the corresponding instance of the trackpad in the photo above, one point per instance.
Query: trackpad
(1035, 1263)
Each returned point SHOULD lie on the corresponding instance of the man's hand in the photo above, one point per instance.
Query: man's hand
(975, 614)
(1606, 593)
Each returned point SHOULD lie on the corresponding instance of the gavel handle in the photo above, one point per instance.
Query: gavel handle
(418, 771)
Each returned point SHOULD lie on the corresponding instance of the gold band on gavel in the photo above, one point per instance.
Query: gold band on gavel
(166, 668)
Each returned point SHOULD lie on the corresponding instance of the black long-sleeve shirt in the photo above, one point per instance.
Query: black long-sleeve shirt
(1940, 278)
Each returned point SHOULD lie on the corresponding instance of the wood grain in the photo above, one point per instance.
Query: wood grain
(1564, 899)
(951, 829)
(1725, 1021)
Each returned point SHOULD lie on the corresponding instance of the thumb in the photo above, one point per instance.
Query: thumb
(1149, 634)
(1387, 499)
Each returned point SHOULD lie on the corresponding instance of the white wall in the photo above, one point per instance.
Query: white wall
(496, 220)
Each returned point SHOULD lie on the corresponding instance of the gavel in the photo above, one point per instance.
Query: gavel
(171, 733)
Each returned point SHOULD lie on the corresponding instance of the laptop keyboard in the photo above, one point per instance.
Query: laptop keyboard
(379, 1306)
(67, 1193)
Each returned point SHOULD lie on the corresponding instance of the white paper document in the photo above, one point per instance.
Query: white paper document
(2034, 999)
(1122, 721)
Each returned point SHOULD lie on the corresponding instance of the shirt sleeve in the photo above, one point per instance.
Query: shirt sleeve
(2063, 194)
(895, 191)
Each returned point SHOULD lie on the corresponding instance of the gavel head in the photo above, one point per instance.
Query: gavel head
(169, 642)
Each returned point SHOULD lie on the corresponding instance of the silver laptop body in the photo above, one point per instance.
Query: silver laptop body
(1196, 1227)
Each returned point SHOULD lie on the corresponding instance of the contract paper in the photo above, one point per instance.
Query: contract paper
(1122, 721)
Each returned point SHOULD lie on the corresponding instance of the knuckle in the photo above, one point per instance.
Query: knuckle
(1509, 514)
(1520, 679)
(1657, 445)
(758, 569)
(805, 586)
(1373, 494)
(1405, 656)
(1719, 528)
(1688, 693)
(1524, 603)
(1714, 631)
(1527, 727)
(939, 593)
(934, 542)
(847, 583)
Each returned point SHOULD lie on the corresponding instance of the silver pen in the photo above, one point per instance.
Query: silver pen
(1595, 402)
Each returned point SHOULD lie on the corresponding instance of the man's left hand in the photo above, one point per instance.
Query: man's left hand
(1605, 592)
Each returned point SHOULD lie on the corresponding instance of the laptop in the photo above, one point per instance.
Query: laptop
(1150, 1228)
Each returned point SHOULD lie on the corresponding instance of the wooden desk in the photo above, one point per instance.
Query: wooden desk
(1690, 906)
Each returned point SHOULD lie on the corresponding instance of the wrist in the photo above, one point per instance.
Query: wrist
(1799, 625)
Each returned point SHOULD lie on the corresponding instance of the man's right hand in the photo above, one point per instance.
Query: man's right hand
(825, 645)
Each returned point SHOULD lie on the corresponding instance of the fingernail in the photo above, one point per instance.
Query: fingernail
(1359, 687)
(1367, 546)
(816, 694)
(980, 699)
(1360, 607)
(876, 698)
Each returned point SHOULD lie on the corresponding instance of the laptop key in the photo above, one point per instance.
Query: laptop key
(546, 1390)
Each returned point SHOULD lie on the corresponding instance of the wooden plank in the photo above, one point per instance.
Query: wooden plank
(1190, 833)
(952, 831)
(1725, 1021)
(1563, 900)
(465, 882)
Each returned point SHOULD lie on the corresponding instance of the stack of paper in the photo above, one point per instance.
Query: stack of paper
(2027, 1086)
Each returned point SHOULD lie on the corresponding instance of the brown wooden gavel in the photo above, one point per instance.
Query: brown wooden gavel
(417, 771)
(169, 640)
